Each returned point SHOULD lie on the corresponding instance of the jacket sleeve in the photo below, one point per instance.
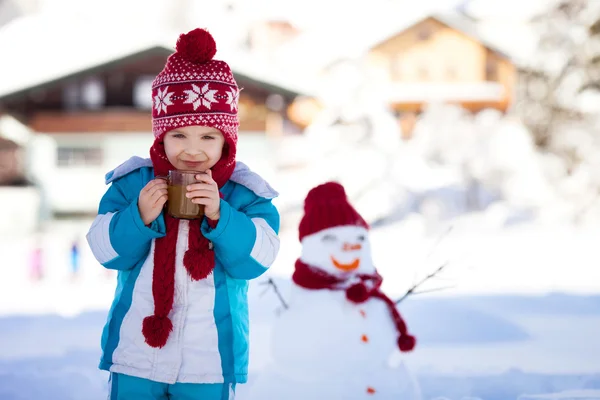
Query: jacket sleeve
(246, 241)
(118, 237)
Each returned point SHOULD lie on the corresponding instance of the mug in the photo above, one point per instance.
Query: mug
(178, 205)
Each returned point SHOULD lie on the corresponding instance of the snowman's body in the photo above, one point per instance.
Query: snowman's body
(335, 335)
(327, 347)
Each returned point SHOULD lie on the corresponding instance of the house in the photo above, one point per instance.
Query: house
(91, 111)
(416, 57)
(440, 59)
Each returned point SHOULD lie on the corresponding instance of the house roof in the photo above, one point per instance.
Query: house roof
(467, 26)
(41, 52)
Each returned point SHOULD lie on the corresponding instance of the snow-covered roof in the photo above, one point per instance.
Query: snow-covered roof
(38, 50)
(353, 36)
(453, 19)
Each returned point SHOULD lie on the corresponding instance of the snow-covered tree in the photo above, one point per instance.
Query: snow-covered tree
(559, 101)
(491, 155)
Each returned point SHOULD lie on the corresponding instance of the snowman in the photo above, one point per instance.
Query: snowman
(335, 339)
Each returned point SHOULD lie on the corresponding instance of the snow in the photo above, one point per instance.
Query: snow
(566, 395)
(452, 367)
(537, 334)
(519, 313)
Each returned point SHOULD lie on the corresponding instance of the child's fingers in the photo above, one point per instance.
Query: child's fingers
(154, 184)
(200, 193)
(199, 186)
(205, 177)
(158, 193)
(161, 200)
(202, 200)
(150, 184)
(156, 190)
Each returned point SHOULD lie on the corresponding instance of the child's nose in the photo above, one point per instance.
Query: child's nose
(351, 246)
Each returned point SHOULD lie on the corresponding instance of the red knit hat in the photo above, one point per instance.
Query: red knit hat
(194, 89)
(327, 206)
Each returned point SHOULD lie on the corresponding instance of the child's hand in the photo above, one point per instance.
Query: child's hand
(206, 192)
(152, 199)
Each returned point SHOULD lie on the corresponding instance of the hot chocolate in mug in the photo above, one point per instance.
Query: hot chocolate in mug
(178, 205)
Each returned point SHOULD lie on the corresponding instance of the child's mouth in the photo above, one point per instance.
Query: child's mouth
(192, 164)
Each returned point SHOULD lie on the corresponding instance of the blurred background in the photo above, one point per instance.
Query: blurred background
(465, 131)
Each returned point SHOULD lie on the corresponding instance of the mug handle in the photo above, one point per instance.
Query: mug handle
(165, 177)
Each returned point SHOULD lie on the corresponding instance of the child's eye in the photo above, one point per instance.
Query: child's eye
(179, 136)
(207, 137)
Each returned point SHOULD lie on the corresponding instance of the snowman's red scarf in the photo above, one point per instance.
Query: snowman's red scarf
(369, 286)
(199, 259)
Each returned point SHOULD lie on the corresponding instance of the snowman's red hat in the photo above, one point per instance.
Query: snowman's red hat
(327, 206)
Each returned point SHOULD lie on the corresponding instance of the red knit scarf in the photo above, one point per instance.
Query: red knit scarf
(199, 259)
(310, 277)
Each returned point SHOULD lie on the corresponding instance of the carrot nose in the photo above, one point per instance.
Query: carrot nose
(352, 247)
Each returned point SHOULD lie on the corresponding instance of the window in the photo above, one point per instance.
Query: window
(79, 156)
(424, 33)
(93, 93)
(142, 92)
(275, 102)
(491, 70)
(87, 94)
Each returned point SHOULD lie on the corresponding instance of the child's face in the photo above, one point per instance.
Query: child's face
(195, 148)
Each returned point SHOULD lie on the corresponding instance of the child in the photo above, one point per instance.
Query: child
(178, 326)
(75, 259)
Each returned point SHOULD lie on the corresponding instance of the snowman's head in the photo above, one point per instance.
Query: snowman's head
(334, 236)
(341, 250)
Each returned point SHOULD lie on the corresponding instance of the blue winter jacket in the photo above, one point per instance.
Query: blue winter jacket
(209, 341)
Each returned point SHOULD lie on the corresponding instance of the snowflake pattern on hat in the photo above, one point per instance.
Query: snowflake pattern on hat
(162, 99)
(197, 96)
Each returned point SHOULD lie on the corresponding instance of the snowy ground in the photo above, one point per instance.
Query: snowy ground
(524, 318)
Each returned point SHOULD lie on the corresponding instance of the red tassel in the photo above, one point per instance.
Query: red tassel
(406, 342)
(357, 293)
(198, 260)
(156, 330)
(199, 264)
